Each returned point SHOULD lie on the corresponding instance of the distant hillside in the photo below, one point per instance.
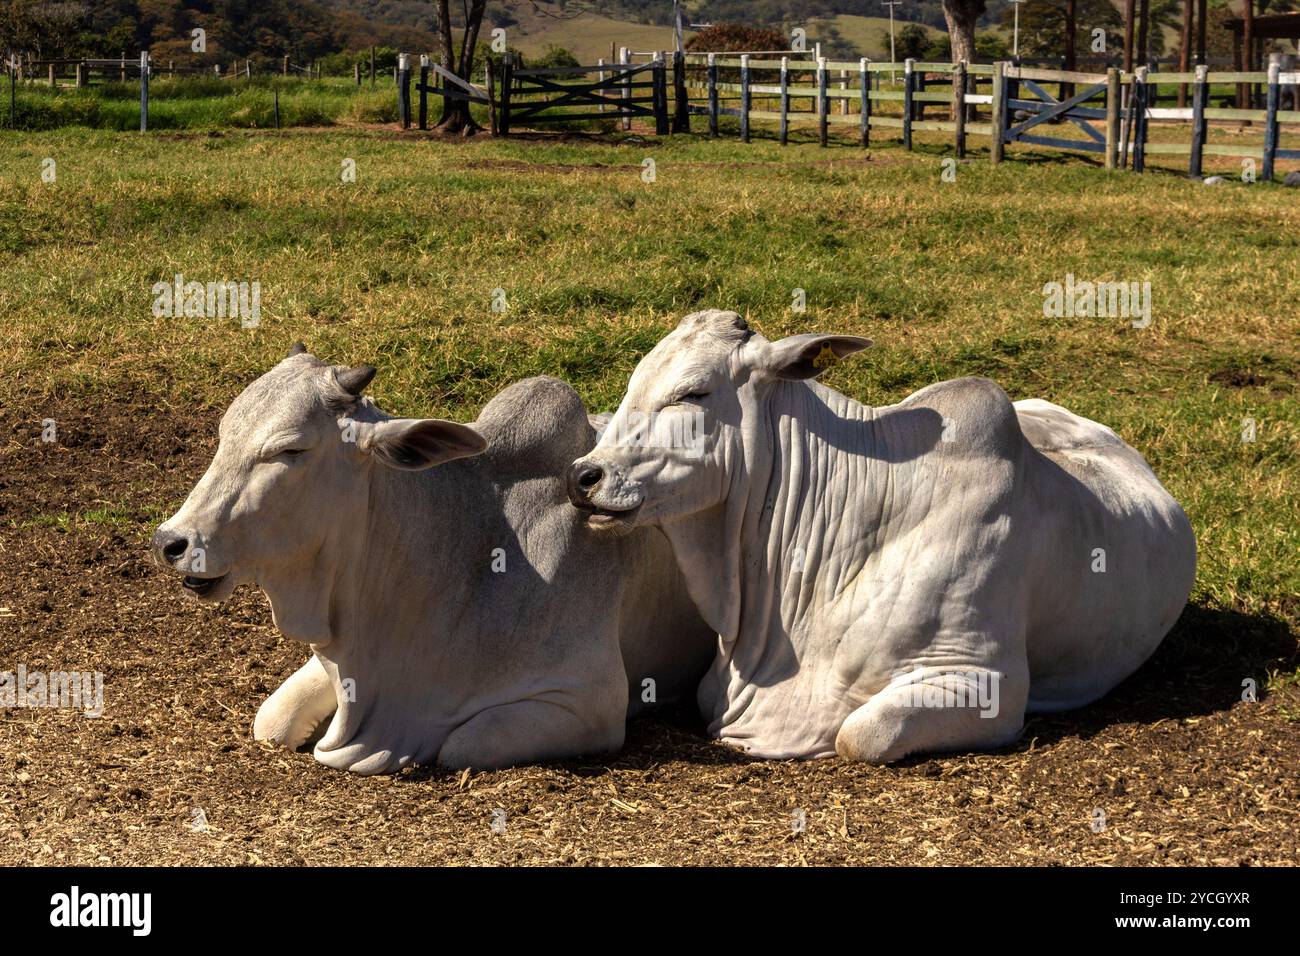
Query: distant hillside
(301, 29)
(309, 29)
(597, 28)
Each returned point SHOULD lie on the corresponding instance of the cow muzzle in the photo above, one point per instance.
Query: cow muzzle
(603, 492)
(186, 554)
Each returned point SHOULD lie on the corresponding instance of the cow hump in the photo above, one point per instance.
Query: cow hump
(538, 425)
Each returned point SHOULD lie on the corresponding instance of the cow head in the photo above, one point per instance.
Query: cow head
(290, 475)
(693, 419)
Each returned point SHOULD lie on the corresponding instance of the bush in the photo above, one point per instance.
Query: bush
(737, 38)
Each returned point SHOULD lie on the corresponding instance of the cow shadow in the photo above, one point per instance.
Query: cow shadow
(1202, 667)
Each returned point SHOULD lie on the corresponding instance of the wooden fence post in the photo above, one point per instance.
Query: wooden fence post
(682, 110)
(81, 75)
(489, 86)
(1112, 117)
(144, 90)
(356, 72)
(908, 66)
(404, 90)
(122, 67)
(600, 78)
(284, 66)
(1270, 118)
(1139, 105)
(662, 125)
(424, 96)
(823, 104)
(627, 86)
(999, 123)
(507, 81)
(784, 134)
(712, 81)
(744, 98)
(864, 83)
(53, 81)
(1200, 94)
(372, 67)
(959, 108)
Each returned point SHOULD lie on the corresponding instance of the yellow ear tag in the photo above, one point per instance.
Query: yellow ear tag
(825, 358)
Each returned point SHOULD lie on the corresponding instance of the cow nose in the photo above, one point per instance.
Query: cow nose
(588, 477)
(583, 479)
(170, 545)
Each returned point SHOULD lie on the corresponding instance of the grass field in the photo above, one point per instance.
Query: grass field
(398, 269)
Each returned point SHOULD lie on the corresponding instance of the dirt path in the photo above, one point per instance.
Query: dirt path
(1183, 770)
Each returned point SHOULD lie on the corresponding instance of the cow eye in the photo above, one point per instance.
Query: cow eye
(693, 397)
(290, 454)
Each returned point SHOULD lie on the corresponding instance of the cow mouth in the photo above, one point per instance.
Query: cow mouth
(609, 518)
(201, 587)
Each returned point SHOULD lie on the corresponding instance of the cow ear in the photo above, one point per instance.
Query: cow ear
(799, 357)
(413, 444)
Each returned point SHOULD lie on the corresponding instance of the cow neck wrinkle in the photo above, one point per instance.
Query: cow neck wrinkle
(803, 479)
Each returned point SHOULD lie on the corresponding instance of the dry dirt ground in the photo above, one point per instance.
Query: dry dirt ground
(1183, 770)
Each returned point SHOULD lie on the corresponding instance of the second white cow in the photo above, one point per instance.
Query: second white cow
(886, 581)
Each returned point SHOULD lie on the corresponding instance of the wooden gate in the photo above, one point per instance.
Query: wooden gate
(1048, 108)
(564, 93)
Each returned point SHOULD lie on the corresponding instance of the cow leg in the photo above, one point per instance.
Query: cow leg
(934, 711)
(530, 730)
(300, 705)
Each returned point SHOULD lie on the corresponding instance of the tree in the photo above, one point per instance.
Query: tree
(456, 117)
(911, 42)
(1043, 27)
(737, 38)
(961, 16)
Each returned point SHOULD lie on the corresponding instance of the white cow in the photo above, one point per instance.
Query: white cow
(462, 613)
(885, 581)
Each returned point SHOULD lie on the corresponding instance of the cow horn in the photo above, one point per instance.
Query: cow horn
(353, 380)
(296, 349)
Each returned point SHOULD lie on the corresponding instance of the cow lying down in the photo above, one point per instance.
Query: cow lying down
(885, 581)
(462, 613)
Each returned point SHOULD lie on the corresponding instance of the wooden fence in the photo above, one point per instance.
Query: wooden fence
(1111, 112)
(1108, 114)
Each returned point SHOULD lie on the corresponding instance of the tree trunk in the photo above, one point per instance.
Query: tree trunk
(1185, 53)
(961, 16)
(1144, 29)
(1128, 36)
(1071, 32)
(456, 116)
